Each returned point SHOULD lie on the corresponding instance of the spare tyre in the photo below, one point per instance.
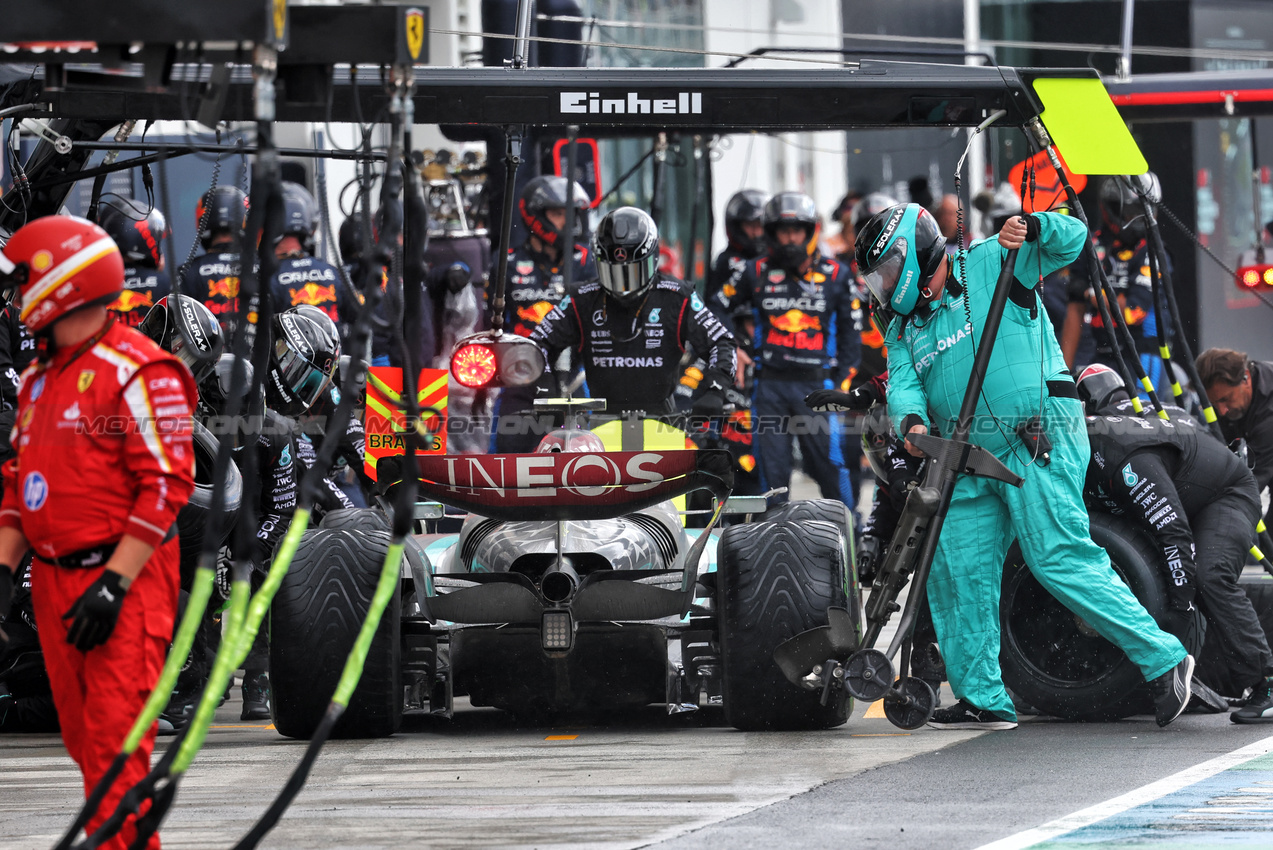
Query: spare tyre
(1054, 661)
(315, 617)
(776, 580)
(192, 521)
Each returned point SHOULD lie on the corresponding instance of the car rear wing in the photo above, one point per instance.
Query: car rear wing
(566, 485)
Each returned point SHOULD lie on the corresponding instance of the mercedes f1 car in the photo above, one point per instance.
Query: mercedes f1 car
(573, 585)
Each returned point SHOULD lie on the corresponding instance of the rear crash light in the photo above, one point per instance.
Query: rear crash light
(557, 631)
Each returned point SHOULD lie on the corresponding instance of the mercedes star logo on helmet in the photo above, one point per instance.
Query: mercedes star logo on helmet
(620, 254)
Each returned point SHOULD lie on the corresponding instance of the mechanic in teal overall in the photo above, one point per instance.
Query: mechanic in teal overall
(931, 345)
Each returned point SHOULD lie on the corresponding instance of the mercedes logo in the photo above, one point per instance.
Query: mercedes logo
(620, 254)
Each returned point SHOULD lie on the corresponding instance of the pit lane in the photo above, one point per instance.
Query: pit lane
(642, 779)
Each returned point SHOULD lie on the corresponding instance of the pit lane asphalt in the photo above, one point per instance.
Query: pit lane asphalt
(642, 779)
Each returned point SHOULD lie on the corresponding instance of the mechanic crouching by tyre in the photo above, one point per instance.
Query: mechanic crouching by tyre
(104, 463)
(901, 254)
(631, 326)
(806, 339)
(1198, 502)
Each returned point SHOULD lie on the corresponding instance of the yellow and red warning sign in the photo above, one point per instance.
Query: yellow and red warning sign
(385, 422)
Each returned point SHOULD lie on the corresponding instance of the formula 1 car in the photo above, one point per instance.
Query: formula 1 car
(572, 586)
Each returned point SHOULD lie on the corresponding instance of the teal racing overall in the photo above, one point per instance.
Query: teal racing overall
(930, 364)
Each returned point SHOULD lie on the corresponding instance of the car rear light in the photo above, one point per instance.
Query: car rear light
(1252, 276)
(474, 365)
(557, 630)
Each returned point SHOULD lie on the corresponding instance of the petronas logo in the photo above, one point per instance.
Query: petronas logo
(1131, 479)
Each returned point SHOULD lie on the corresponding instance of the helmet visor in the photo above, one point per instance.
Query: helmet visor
(882, 279)
(625, 280)
(302, 379)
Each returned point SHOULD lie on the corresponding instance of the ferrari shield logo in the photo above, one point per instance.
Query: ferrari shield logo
(415, 32)
(86, 379)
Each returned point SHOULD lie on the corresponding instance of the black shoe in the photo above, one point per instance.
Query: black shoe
(961, 715)
(256, 696)
(1172, 690)
(1259, 707)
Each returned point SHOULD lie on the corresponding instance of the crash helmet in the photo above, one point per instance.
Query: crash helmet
(545, 193)
(570, 440)
(1122, 210)
(60, 264)
(177, 319)
(745, 206)
(626, 246)
(303, 360)
(872, 204)
(349, 240)
(138, 233)
(218, 386)
(791, 208)
(324, 321)
(1099, 386)
(222, 209)
(300, 214)
(898, 252)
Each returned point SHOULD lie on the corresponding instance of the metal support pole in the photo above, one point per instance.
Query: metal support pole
(1125, 58)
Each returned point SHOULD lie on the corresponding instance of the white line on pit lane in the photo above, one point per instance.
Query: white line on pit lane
(1131, 799)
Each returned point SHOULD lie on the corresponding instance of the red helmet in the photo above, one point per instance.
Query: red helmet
(61, 263)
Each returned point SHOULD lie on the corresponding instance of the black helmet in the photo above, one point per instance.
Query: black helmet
(139, 234)
(302, 361)
(745, 206)
(215, 388)
(1121, 206)
(300, 214)
(898, 252)
(348, 239)
(1100, 386)
(222, 209)
(549, 193)
(169, 328)
(627, 251)
(791, 208)
(872, 204)
(324, 321)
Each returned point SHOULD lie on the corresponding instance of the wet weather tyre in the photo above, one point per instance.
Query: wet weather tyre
(192, 521)
(356, 519)
(825, 510)
(776, 580)
(1055, 662)
(314, 620)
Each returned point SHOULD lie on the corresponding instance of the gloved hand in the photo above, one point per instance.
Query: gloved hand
(834, 401)
(458, 276)
(96, 612)
(870, 551)
(709, 404)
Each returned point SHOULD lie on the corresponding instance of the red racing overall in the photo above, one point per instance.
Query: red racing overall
(103, 450)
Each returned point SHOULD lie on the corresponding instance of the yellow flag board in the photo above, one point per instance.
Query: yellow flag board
(384, 421)
(656, 436)
(1086, 127)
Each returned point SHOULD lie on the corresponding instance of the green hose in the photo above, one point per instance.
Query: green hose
(200, 593)
(389, 574)
(244, 621)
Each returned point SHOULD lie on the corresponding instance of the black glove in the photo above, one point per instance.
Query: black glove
(834, 401)
(1031, 227)
(96, 612)
(1178, 622)
(709, 404)
(458, 276)
(870, 549)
